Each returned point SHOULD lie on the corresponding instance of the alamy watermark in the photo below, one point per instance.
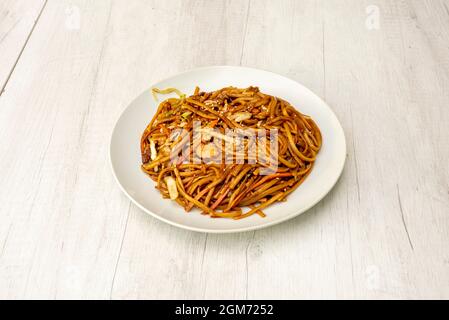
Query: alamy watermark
(372, 21)
(234, 146)
(73, 18)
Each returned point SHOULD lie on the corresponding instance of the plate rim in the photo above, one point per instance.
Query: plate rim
(241, 229)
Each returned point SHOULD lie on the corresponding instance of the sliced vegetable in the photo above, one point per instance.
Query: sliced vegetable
(242, 116)
(153, 150)
(216, 134)
(186, 114)
(171, 186)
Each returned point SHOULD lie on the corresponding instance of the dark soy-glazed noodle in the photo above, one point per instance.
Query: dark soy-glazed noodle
(223, 189)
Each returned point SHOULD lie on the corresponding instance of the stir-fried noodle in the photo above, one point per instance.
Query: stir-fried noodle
(227, 150)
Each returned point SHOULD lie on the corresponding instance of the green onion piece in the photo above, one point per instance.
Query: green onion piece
(186, 114)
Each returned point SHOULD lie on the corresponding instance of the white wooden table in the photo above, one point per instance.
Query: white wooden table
(69, 67)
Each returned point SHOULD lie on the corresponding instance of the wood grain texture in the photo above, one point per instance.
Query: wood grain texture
(17, 20)
(66, 231)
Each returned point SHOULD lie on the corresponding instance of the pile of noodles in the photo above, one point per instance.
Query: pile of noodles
(224, 188)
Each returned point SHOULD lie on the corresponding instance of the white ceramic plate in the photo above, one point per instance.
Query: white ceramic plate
(126, 160)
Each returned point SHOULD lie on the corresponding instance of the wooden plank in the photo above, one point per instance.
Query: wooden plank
(62, 215)
(390, 90)
(17, 20)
